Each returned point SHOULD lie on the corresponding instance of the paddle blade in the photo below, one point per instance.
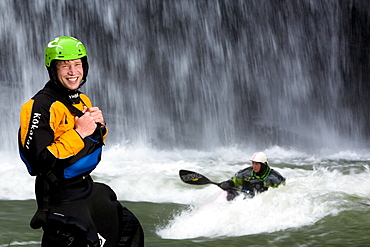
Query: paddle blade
(190, 177)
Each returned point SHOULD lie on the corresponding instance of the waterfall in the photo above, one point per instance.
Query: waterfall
(202, 74)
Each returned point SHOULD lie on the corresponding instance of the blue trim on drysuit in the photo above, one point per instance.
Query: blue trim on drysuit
(29, 167)
(85, 164)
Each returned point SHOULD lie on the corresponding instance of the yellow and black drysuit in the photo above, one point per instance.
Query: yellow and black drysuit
(70, 204)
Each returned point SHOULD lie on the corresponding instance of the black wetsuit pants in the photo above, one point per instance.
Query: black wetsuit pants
(99, 220)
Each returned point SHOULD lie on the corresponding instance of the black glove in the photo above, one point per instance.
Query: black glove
(226, 185)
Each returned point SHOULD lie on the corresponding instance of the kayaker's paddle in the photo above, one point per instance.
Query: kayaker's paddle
(190, 177)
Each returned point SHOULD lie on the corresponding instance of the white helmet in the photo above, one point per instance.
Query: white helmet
(259, 157)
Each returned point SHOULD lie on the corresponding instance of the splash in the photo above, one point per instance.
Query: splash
(308, 197)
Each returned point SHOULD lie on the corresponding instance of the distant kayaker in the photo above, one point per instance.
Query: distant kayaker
(61, 137)
(254, 179)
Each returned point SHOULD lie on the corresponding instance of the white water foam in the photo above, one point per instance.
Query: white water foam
(16, 243)
(308, 197)
(317, 186)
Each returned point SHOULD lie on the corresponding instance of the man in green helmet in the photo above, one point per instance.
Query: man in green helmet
(254, 179)
(60, 140)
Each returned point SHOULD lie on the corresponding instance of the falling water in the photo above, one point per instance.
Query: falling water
(202, 74)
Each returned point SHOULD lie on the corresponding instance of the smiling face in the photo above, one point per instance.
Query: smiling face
(70, 73)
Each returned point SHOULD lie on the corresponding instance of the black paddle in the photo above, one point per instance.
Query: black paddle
(190, 177)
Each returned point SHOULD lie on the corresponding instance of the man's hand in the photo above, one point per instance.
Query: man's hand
(97, 114)
(225, 185)
(85, 125)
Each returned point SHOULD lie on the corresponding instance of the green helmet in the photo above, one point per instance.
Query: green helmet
(64, 48)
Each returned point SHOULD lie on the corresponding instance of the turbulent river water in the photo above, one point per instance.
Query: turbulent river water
(324, 203)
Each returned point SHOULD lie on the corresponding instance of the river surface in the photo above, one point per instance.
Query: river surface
(326, 201)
